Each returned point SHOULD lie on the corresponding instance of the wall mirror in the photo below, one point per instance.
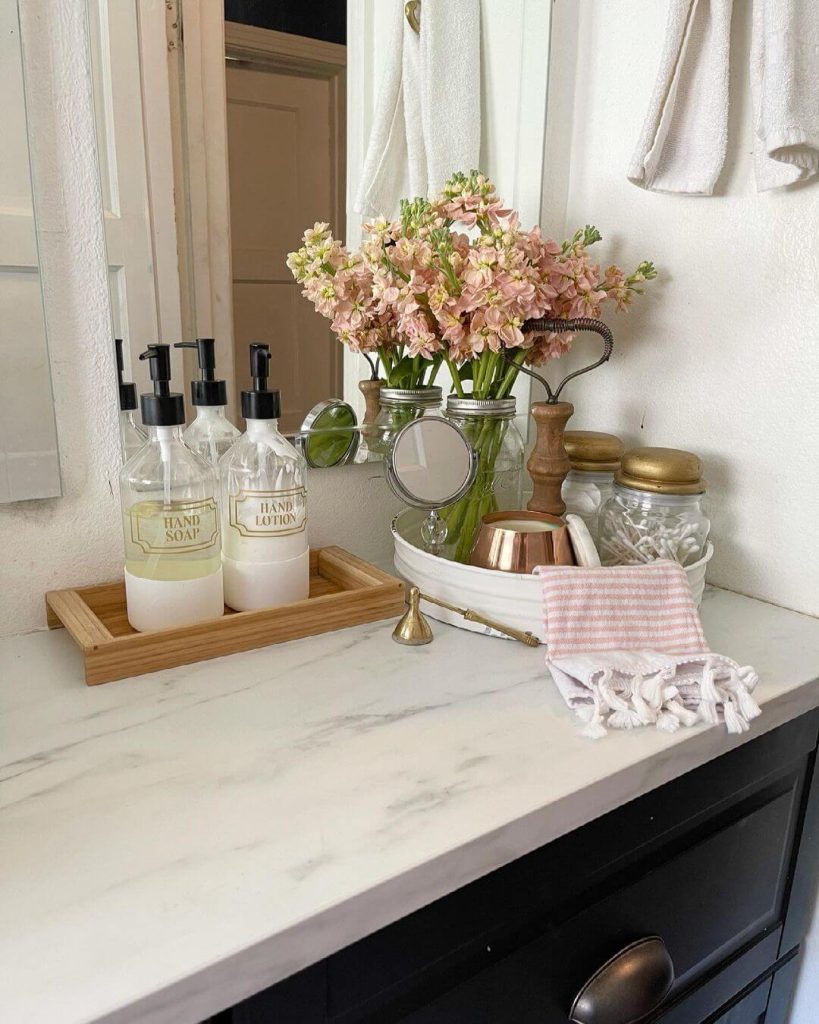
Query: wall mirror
(227, 127)
(29, 461)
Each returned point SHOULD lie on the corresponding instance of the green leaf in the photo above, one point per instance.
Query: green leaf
(401, 374)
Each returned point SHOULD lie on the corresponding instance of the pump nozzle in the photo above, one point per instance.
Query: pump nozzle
(159, 362)
(127, 390)
(205, 353)
(259, 403)
(207, 390)
(163, 408)
(259, 365)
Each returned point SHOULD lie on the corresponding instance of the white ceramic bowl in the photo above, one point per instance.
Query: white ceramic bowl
(511, 598)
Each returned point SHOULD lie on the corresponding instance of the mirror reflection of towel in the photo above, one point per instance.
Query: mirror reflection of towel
(683, 142)
(427, 119)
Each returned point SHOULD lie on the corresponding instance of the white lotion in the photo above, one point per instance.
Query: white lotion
(266, 558)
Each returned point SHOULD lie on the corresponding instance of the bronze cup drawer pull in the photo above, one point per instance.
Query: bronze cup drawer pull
(627, 987)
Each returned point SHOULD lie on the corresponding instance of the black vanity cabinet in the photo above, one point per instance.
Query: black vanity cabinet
(720, 864)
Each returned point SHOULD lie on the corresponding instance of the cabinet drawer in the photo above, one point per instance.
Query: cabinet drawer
(706, 902)
(750, 1009)
(703, 862)
(722, 892)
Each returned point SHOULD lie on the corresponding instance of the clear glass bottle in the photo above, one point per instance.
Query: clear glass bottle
(397, 407)
(169, 495)
(131, 436)
(489, 425)
(657, 510)
(266, 557)
(594, 457)
(211, 434)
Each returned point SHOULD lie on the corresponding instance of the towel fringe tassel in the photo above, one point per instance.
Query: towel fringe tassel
(653, 701)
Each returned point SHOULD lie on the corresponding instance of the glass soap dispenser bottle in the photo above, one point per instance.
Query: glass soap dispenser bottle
(266, 558)
(173, 568)
(211, 433)
(131, 437)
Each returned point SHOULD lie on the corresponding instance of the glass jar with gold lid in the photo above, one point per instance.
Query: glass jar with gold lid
(594, 457)
(656, 510)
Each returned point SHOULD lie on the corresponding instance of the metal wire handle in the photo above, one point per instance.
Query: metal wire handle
(542, 325)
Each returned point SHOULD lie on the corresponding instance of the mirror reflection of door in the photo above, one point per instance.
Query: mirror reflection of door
(285, 158)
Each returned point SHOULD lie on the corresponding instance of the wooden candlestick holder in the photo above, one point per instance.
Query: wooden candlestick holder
(371, 390)
(548, 464)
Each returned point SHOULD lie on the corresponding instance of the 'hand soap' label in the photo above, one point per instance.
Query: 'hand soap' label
(177, 527)
(269, 513)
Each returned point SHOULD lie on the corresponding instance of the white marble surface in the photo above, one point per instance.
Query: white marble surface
(172, 843)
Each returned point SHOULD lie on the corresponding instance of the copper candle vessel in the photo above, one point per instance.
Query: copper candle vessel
(512, 542)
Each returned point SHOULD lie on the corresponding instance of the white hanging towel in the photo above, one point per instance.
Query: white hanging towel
(427, 119)
(682, 145)
(785, 91)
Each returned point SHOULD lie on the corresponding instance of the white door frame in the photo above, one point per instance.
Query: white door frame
(195, 56)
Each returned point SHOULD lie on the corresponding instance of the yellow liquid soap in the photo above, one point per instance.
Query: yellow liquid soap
(179, 541)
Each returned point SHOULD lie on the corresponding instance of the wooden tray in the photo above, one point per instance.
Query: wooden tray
(344, 591)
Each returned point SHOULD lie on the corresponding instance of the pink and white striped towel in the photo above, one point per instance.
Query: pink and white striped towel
(626, 648)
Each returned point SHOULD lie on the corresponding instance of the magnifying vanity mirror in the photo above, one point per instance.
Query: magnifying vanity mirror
(431, 465)
(329, 435)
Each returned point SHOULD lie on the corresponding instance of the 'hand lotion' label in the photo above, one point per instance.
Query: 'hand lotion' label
(268, 513)
(177, 527)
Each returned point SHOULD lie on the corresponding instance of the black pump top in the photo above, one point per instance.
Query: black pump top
(259, 403)
(127, 390)
(163, 408)
(207, 390)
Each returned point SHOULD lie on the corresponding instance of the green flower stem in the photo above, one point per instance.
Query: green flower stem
(463, 519)
(478, 372)
(453, 372)
(511, 374)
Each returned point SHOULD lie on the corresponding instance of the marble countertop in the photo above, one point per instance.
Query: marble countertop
(172, 843)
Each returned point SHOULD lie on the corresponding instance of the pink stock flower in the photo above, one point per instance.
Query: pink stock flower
(419, 285)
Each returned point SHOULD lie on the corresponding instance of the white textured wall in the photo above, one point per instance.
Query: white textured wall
(77, 539)
(55, 542)
(722, 355)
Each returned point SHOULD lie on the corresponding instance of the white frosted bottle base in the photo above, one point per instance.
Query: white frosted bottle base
(253, 585)
(164, 604)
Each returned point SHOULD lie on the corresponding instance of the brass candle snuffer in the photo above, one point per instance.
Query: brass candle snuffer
(548, 464)
(413, 629)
